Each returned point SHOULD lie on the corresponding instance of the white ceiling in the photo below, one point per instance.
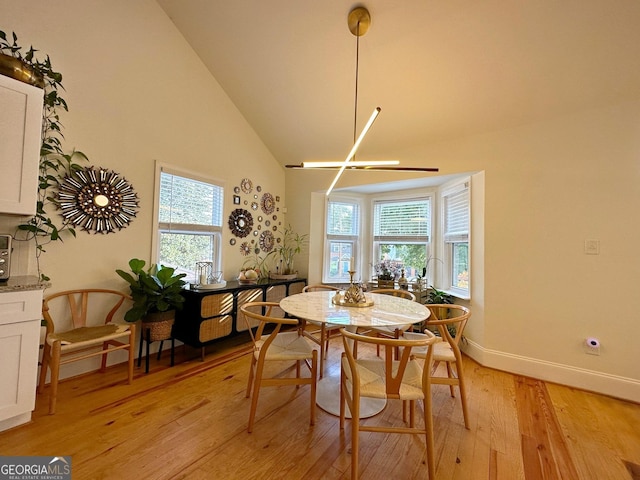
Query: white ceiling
(440, 69)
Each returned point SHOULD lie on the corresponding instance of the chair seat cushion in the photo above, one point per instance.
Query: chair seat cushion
(286, 346)
(88, 335)
(442, 351)
(372, 378)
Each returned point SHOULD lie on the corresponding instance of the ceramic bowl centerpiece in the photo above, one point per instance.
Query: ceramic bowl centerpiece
(248, 277)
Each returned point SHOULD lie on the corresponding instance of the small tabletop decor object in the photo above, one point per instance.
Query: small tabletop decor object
(206, 278)
(353, 297)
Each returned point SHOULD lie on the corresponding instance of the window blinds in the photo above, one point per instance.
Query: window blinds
(189, 204)
(402, 219)
(456, 214)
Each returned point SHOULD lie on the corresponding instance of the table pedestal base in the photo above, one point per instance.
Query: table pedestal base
(328, 399)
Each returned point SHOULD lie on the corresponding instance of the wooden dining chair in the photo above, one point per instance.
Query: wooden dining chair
(324, 330)
(449, 321)
(88, 323)
(407, 379)
(391, 331)
(271, 344)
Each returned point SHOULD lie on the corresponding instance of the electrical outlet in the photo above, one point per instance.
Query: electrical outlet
(592, 346)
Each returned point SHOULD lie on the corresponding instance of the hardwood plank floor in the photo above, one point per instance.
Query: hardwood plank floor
(189, 422)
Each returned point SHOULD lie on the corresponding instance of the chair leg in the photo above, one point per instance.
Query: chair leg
(55, 375)
(103, 362)
(323, 348)
(314, 376)
(450, 375)
(355, 431)
(131, 349)
(254, 398)
(463, 395)
(46, 358)
(428, 426)
(251, 375)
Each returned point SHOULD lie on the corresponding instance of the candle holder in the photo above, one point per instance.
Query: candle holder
(354, 296)
(204, 272)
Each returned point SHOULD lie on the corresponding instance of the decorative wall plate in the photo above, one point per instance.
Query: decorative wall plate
(246, 185)
(245, 249)
(259, 188)
(267, 203)
(232, 241)
(240, 222)
(254, 205)
(267, 241)
(97, 199)
(236, 189)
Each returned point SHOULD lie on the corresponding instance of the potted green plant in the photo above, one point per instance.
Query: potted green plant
(157, 294)
(438, 296)
(291, 244)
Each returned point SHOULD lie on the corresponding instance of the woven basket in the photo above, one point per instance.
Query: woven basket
(157, 326)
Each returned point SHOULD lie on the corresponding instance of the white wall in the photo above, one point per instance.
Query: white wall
(136, 93)
(548, 187)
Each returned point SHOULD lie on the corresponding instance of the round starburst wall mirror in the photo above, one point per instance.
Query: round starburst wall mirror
(97, 200)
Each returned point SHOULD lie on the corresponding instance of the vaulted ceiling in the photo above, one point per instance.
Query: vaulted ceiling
(439, 69)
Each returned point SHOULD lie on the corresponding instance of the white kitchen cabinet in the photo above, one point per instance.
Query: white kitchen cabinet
(20, 314)
(20, 140)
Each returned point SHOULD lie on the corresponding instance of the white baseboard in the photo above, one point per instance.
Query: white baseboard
(604, 383)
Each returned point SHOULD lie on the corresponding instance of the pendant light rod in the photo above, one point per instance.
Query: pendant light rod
(366, 128)
(352, 163)
(358, 22)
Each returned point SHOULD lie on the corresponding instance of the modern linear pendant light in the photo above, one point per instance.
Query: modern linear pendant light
(359, 20)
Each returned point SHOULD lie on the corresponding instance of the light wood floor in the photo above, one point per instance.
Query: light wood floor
(189, 422)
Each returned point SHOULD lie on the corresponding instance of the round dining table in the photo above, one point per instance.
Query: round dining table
(386, 310)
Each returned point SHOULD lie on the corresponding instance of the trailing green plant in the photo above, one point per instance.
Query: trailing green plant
(157, 289)
(54, 163)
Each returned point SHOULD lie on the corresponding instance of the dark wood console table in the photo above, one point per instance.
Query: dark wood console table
(209, 315)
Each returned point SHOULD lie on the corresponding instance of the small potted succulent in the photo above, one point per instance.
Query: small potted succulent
(157, 294)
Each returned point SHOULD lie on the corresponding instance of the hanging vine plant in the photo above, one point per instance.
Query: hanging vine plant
(54, 163)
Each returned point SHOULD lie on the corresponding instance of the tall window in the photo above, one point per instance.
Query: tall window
(455, 204)
(401, 230)
(342, 231)
(189, 221)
